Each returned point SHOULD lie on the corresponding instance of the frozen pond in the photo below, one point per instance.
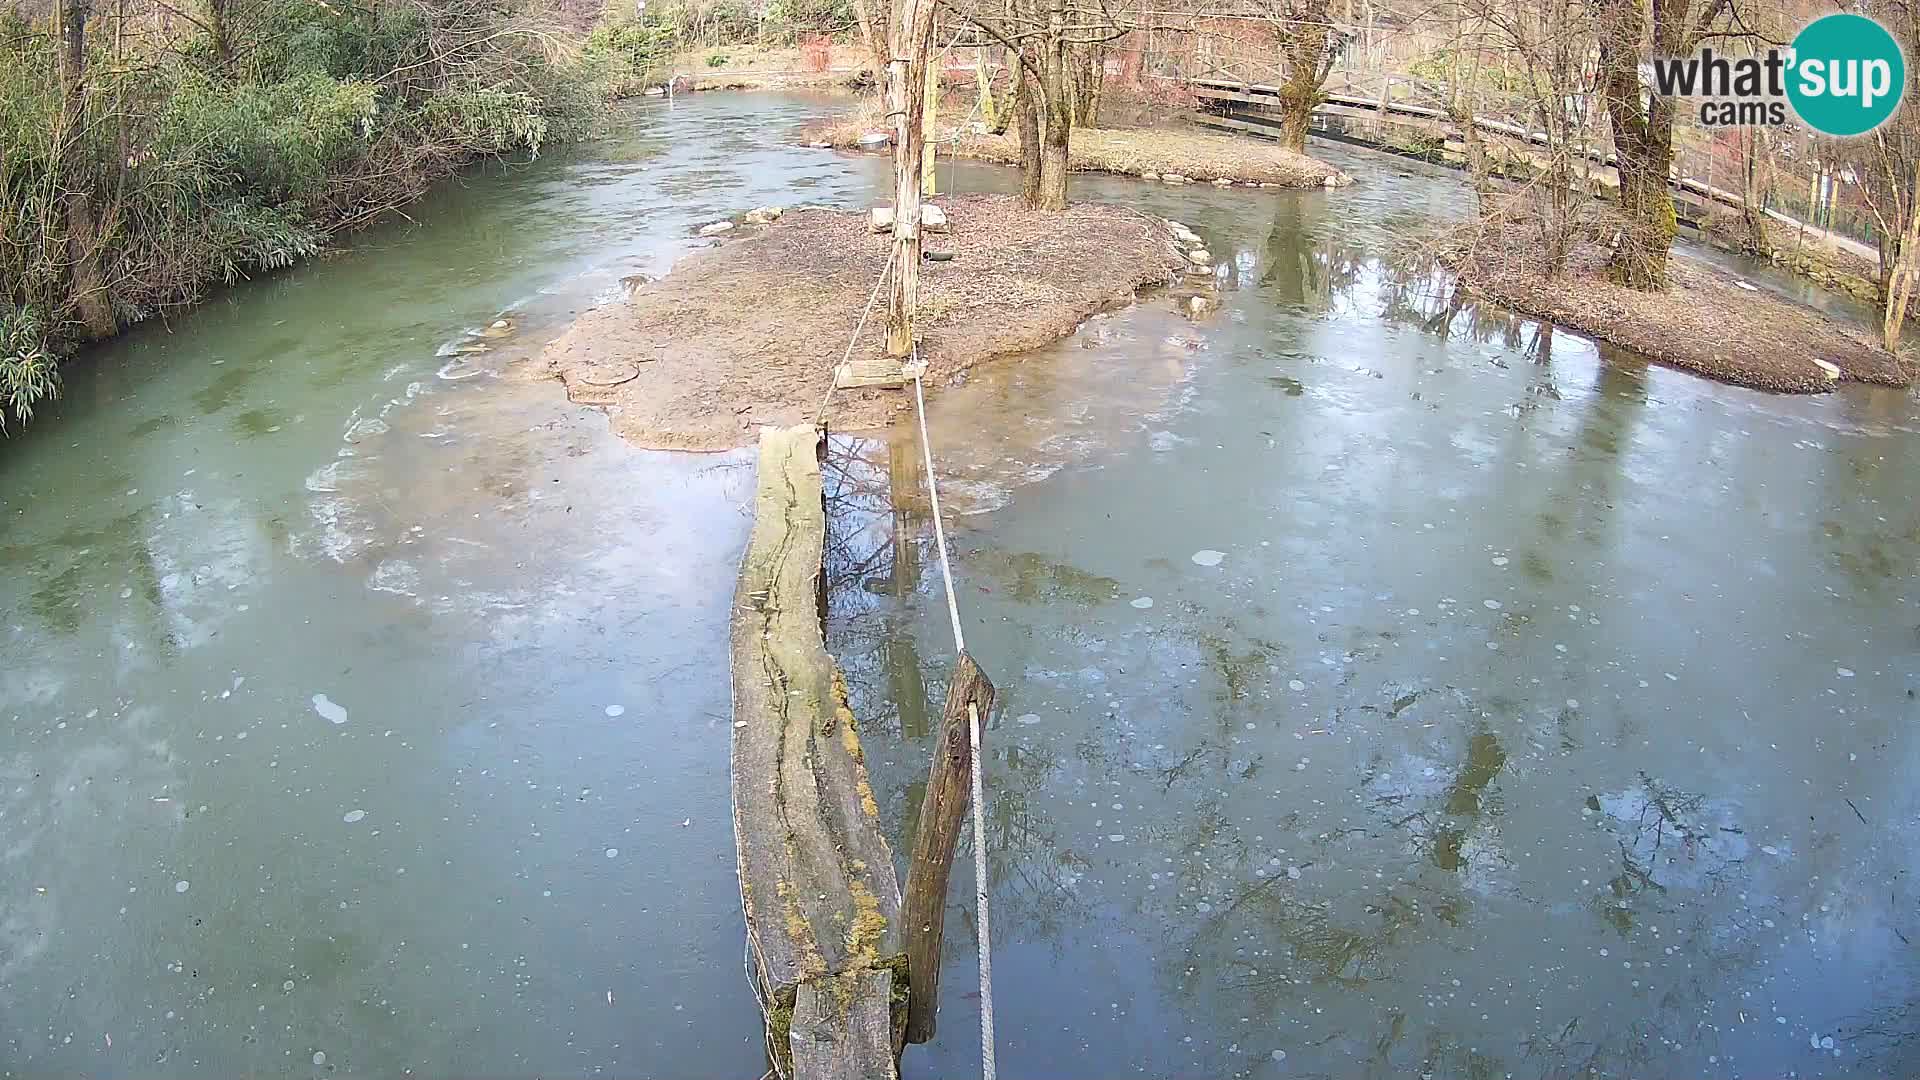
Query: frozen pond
(1389, 687)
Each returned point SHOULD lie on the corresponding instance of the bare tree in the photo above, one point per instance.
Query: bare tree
(90, 299)
(906, 28)
(1887, 164)
(1309, 45)
(1627, 35)
(1048, 42)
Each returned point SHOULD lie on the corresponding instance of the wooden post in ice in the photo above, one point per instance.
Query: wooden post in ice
(942, 812)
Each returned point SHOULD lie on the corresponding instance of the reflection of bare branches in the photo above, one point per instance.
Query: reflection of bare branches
(1179, 769)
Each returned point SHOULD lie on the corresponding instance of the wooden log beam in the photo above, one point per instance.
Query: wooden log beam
(817, 882)
(942, 812)
(842, 1027)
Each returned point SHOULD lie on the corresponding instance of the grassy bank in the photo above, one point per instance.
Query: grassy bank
(145, 159)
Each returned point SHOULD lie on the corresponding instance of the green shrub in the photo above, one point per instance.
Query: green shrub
(28, 374)
(179, 168)
(633, 53)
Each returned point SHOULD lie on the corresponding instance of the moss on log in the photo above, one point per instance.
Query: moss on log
(817, 881)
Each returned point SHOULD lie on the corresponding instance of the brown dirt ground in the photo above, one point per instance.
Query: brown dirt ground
(1129, 151)
(748, 333)
(760, 67)
(1704, 322)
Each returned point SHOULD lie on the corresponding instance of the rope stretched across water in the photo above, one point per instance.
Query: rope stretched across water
(973, 734)
(987, 1070)
(872, 298)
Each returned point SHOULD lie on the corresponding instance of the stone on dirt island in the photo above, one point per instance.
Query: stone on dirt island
(934, 218)
(716, 228)
(765, 215)
(880, 219)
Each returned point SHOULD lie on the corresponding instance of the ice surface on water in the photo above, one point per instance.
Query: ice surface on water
(334, 714)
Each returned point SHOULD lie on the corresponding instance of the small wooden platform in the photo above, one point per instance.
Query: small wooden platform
(817, 881)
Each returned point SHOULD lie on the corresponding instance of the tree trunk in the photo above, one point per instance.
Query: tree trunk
(1026, 112)
(87, 280)
(907, 73)
(1753, 191)
(903, 101)
(1087, 72)
(1056, 110)
(217, 34)
(1900, 282)
(1306, 41)
(929, 132)
(874, 34)
(983, 82)
(1643, 150)
(1055, 142)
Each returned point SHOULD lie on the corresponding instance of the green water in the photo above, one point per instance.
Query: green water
(514, 857)
(1645, 816)
(1390, 686)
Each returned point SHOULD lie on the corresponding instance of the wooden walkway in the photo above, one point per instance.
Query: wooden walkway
(817, 880)
(1249, 108)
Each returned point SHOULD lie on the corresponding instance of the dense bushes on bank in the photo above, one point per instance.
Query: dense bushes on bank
(147, 157)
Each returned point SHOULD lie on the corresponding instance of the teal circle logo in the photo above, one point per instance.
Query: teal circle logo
(1848, 75)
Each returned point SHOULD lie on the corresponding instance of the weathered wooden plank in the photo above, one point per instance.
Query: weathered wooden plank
(816, 875)
(842, 1028)
(943, 811)
(887, 373)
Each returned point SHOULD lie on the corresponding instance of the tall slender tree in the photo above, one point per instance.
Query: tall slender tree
(1629, 33)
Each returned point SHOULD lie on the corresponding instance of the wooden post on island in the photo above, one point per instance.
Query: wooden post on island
(942, 812)
(911, 47)
(928, 131)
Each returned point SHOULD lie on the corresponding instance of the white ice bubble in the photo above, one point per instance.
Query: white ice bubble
(1296, 685)
(1143, 602)
(1028, 718)
(354, 815)
(181, 886)
(1492, 605)
(616, 710)
(1208, 557)
(1845, 673)
(613, 853)
(334, 714)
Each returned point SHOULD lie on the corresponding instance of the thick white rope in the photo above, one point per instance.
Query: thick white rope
(973, 732)
(933, 496)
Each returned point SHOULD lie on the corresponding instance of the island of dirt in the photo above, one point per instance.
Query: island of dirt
(1707, 321)
(1165, 154)
(748, 332)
